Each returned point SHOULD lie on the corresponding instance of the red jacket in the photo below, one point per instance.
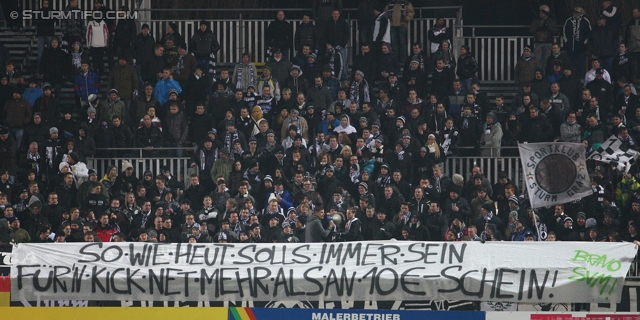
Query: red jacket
(106, 233)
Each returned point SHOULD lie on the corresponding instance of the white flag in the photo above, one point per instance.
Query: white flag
(615, 153)
(554, 172)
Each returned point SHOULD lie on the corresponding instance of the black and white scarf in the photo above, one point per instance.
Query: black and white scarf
(180, 64)
(290, 121)
(239, 76)
(576, 28)
(332, 57)
(270, 146)
(203, 159)
(349, 223)
(229, 138)
(392, 4)
(355, 92)
(36, 159)
(76, 59)
(489, 216)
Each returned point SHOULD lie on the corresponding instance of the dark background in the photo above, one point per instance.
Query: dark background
(476, 12)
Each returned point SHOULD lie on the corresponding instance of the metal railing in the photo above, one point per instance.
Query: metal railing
(237, 36)
(179, 166)
(241, 35)
(82, 4)
(490, 168)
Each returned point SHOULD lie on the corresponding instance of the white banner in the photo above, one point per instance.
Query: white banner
(555, 172)
(561, 271)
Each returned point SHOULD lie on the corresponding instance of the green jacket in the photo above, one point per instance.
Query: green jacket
(221, 168)
(20, 236)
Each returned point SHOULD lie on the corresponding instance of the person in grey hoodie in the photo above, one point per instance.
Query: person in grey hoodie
(570, 130)
(315, 231)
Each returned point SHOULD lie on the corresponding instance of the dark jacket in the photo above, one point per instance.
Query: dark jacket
(124, 79)
(35, 132)
(603, 42)
(142, 48)
(125, 33)
(16, 113)
(54, 64)
(279, 34)
(202, 44)
(467, 66)
(544, 29)
(365, 63)
(337, 33)
(366, 17)
(8, 149)
(200, 126)
(355, 231)
(123, 136)
(151, 67)
(196, 89)
(45, 27)
(437, 224)
(306, 35)
(175, 128)
(538, 129)
(583, 29)
(148, 137)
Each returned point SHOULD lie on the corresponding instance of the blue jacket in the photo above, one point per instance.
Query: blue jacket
(162, 89)
(32, 94)
(324, 126)
(287, 200)
(86, 84)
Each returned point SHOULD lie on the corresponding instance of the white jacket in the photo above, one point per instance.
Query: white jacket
(97, 34)
(80, 172)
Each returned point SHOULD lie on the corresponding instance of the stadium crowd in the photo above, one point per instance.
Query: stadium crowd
(308, 150)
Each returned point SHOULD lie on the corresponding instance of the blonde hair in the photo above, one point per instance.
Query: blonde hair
(436, 153)
(346, 148)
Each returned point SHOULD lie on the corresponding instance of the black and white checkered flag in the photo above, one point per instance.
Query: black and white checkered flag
(615, 153)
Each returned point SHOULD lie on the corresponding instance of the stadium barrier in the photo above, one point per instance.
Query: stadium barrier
(179, 166)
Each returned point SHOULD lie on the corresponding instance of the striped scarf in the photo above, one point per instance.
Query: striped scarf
(355, 92)
(348, 226)
(239, 77)
(576, 28)
(229, 138)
